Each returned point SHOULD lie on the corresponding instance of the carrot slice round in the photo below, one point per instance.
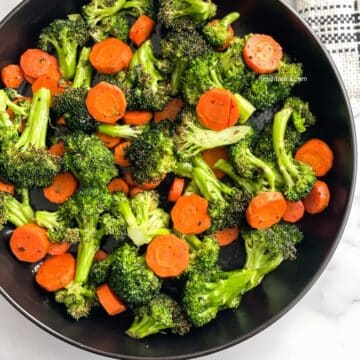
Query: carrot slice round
(109, 141)
(227, 236)
(319, 198)
(109, 301)
(119, 154)
(35, 63)
(171, 111)
(118, 185)
(7, 188)
(64, 186)
(12, 76)
(294, 211)
(137, 117)
(59, 249)
(176, 189)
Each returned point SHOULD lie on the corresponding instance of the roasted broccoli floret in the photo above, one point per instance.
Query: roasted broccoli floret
(88, 159)
(151, 90)
(137, 8)
(97, 10)
(117, 26)
(26, 162)
(65, 37)
(185, 13)
(302, 116)
(131, 279)
(114, 226)
(299, 178)
(268, 89)
(218, 32)
(59, 227)
(86, 208)
(144, 218)
(121, 131)
(152, 157)
(226, 204)
(161, 314)
(14, 211)
(191, 139)
(71, 103)
(180, 46)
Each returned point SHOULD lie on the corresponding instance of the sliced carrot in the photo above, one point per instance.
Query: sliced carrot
(119, 154)
(217, 109)
(59, 249)
(319, 198)
(317, 154)
(109, 301)
(138, 117)
(135, 191)
(29, 243)
(7, 188)
(266, 210)
(171, 111)
(109, 141)
(212, 156)
(48, 82)
(227, 236)
(262, 54)
(36, 63)
(295, 211)
(64, 186)
(176, 189)
(106, 103)
(141, 30)
(100, 255)
(29, 79)
(110, 56)
(57, 149)
(61, 121)
(130, 180)
(168, 256)
(56, 272)
(118, 185)
(150, 186)
(190, 215)
(12, 76)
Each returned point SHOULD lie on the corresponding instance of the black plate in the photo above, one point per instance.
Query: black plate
(282, 289)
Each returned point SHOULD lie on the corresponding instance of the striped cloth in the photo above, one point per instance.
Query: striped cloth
(337, 23)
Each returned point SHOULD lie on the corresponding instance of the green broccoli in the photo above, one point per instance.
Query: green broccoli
(26, 162)
(117, 26)
(184, 14)
(86, 208)
(161, 314)
(14, 211)
(302, 116)
(131, 279)
(137, 8)
(88, 159)
(121, 131)
(217, 33)
(66, 37)
(144, 218)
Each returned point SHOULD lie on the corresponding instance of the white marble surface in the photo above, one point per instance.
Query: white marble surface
(324, 325)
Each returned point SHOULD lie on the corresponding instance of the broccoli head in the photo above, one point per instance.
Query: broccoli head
(161, 314)
(131, 279)
(117, 26)
(302, 116)
(65, 37)
(137, 8)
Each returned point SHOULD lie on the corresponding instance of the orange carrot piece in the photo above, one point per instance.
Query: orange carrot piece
(61, 121)
(48, 82)
(109, 301)
(171, 111)
(109, 141)
(57, 149)
(317, 154)
(110, 56)
(12, 76)
(176, 189)
(227, 236)
(7, 188)
(295, 211)
(138, 117)
(118, 185)
(217, 109)
(135, 191)
(29, 79)
(319, 198)
(266, 210)
(167, 256)
(190, 215)
(35, 63)
(150, 186)
(212, 156)
(64, 186)
(106, 103)
(100, 255)
(130, 180)
(59, 249)
(29, 243)
(262, 54)
(56, 272)
(141, 30)
(119, 154)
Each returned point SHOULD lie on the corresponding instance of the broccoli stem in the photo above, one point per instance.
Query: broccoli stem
(143, 327)
(176, 76)
(194, 242)
(246, 109)
(183, 169)
(20, 213)
(46, 219)
(35, 131)
(197, 9)
(83, 73)
(230, 19)
(122, 131)
(207, 185)
(67, 59)
(102, 11)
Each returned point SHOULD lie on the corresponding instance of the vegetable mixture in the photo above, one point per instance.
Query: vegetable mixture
(112, 125)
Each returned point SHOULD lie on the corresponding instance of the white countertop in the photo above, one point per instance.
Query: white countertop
(324, 325)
